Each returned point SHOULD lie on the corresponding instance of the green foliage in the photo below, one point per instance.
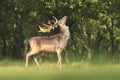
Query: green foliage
(94, 25)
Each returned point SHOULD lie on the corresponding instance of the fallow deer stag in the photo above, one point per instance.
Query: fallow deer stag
(56, 43)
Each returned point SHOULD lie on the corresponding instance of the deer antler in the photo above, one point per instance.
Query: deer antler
(55, 21)
(49, 26)
(44, 30)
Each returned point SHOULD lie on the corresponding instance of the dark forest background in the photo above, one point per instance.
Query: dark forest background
(94, 27)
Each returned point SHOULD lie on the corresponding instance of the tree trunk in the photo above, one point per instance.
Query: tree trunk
(110, 27)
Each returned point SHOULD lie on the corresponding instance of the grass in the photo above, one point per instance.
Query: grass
(14, 70)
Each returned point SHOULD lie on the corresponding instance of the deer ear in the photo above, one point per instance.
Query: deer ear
(63, 20)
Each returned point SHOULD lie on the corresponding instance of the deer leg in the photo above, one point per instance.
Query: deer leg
(36, 60)
(59, 59)
(27, 57)
(57, 64)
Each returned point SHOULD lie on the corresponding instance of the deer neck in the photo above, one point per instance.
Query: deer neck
(64, 30)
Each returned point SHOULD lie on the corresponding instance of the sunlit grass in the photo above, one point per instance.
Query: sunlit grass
(14, 70)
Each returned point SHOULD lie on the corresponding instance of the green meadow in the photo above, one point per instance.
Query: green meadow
(14, 70)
